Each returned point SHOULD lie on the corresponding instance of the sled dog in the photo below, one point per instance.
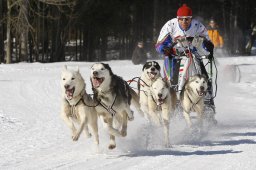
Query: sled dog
(192, 98)
(151, 72)
(74, 110)
(161, 105)
(113, 97)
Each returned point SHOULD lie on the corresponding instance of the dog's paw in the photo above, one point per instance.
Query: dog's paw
(167, 145)
(123, 133)
(105, 120)
(131, 117)
(111, 146)
(75, 137)
(141, 113)
(89, 135)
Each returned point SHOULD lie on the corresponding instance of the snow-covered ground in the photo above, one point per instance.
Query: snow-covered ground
(33, 136)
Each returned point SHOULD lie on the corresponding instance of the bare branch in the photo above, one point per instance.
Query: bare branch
(59, 2)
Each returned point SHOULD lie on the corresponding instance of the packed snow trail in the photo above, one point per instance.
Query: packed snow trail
(33, 136)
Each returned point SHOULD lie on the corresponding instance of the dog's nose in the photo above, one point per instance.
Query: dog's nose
(95, 73)
(160, 95)
(153, 69)
(66, 86)
(202, 88)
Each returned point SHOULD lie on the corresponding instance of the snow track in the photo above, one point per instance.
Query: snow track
(33, 136)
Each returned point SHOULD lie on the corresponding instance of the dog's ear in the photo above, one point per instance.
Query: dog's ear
(157, 66)
(204, 76)
(145, 65)
(77, 69)
(108, 68)
(64, 68)
(191, 78)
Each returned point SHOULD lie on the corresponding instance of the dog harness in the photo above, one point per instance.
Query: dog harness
(73, 108)
(189, 97)
(109, 108)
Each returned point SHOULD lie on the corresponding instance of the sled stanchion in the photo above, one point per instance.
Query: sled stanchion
(196, 61)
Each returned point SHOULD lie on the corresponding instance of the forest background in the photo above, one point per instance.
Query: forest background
(101, 30)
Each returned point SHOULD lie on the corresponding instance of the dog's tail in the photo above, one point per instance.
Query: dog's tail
(136, 101)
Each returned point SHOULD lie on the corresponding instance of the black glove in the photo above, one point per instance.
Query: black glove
(209, 46)
(167, 51)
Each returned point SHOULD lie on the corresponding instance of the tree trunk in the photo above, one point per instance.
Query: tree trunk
(155, 33)
(1, 33)
(24, 32)
(8, 33)
(104, 47)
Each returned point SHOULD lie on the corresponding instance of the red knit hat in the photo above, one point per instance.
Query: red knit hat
(184, 11)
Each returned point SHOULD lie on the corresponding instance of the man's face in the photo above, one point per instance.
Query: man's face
(212, 24)
(140, 45)
(184, 22)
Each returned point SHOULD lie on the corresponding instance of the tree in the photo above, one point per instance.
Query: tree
(1, 31)
(8, 33)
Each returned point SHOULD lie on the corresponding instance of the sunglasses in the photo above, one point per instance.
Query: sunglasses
(184, 19)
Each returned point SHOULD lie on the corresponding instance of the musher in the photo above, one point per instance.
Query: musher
(184, 26)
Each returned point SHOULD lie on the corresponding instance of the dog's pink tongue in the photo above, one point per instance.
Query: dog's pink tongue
(96, 82)
(151, 75)
(69, 94)
(160, 101)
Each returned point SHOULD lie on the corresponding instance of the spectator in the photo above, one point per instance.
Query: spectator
(252, 38)
(139, 55)
(214, 34)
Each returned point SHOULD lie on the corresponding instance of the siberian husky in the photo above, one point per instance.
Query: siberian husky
(161, 104)
(113, 97)
(75, 110)
(151, 72)
(192, 98)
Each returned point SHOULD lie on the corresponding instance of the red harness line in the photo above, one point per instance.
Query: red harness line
(130, 81)
(190, 61)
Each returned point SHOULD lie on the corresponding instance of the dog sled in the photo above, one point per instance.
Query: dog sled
(190, 58)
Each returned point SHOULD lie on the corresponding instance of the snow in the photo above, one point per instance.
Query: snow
(33, 136)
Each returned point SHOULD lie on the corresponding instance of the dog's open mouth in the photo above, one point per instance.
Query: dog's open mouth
(200, 92)
(96, 81)
(160, 101)
(70, 93)
(152, 75)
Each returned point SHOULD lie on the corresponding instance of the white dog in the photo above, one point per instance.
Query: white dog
(192, 98)
(74, 106)
(114, 97)
(151, 72)
(161, 104)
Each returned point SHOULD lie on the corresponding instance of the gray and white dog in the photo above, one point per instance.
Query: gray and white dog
(151, 72)
(192, 98)
(113, 97)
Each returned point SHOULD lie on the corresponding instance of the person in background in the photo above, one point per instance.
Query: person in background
(214, 34)
(252, 38)
(139, 55)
